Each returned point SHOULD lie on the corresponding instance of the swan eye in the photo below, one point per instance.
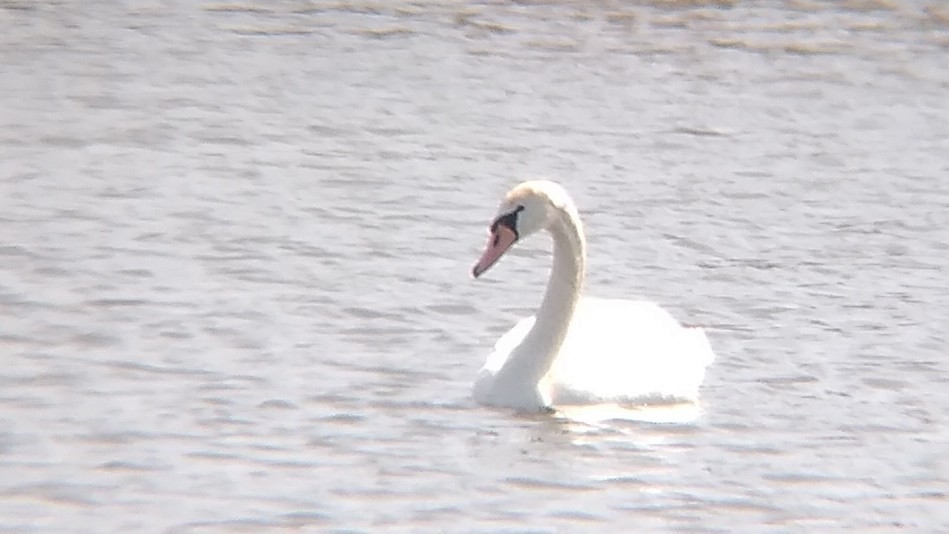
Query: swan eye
(509, 221)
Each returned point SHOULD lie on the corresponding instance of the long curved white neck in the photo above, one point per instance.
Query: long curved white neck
(533, 357)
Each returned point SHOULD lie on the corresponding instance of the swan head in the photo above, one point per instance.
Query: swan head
(526, 209)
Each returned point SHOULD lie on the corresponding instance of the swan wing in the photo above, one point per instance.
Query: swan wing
(506, 344)
(628, 351)
(485, 390)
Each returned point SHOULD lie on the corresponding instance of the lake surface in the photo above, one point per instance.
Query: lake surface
(235, 243)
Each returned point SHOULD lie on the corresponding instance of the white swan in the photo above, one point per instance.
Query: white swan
(581, 351)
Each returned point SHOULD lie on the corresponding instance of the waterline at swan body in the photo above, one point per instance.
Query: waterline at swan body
(581, 350)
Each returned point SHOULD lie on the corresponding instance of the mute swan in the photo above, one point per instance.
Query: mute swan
(580, 350)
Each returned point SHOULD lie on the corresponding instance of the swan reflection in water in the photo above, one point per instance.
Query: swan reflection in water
(582, 351)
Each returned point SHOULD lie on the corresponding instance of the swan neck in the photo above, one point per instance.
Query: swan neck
(566, 276)
(542, 344)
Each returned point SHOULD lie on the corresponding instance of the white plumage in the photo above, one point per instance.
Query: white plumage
(581, 350)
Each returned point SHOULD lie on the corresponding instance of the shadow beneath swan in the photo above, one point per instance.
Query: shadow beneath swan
(599, 414)
(641, 425)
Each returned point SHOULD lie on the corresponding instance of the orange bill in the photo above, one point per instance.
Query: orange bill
(499, 241)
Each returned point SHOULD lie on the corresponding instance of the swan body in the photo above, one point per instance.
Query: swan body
(581, 350)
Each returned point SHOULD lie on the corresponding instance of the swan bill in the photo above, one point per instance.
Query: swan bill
(499, 242)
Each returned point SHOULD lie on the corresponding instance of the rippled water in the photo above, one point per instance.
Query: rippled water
(236, 237)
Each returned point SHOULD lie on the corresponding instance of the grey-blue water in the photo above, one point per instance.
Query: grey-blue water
(235, 241)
